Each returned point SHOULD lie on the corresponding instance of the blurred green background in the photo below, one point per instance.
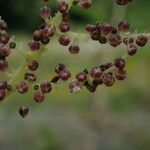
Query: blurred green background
(115, 118)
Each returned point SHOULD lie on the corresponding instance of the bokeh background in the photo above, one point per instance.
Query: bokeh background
(115, 118)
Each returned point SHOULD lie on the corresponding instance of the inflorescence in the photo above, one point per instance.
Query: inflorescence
(104, 33)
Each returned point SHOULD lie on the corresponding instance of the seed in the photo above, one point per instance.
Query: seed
(90, 87)
(36, 87)
(55, 79)
(12, 45)
(23, 111)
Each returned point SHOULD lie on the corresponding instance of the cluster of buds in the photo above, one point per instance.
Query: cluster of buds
(5, 46)
(104, 74)
(107, 33)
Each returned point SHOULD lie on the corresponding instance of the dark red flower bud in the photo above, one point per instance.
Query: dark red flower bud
(46, 87)
(85, 3)
(30, 77)
(75, 86)
(74, 49)
(108, 79)
(2, 94)
(64, 40)
(120, 74)
(3, 65)
(39, 97)
(4, 51)
(141, 40)
(105, 28)
(132, 49)
(60, 68)
(45, 12)
(119, 63)
(3, 25)
(115, 40)
(33, 65)
(64, 27)
(3, 84)
(96, 73)
(4, 38)
(34, 45)
(123, 26)
(81, 76)
(65, 75)
(22, 87)
(62, 7)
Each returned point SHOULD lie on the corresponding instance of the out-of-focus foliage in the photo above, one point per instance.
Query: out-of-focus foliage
(25, 13)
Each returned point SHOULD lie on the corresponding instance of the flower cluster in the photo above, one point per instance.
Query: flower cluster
(5, 45)
(102, 74)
